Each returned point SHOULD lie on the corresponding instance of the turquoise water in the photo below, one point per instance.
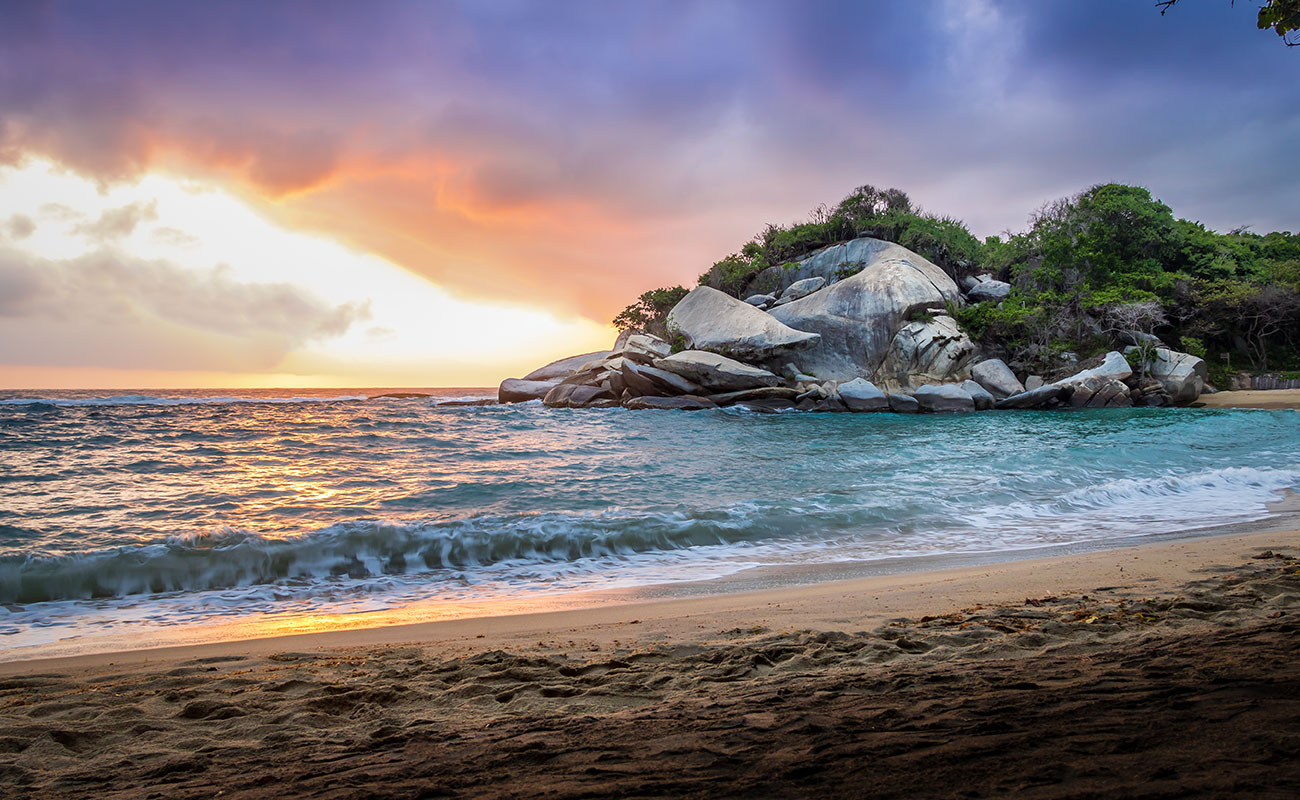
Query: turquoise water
(137, 513)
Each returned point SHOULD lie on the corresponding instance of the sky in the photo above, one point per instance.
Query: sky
(448, 194)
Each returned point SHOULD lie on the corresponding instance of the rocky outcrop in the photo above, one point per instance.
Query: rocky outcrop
(517, 390)
(571, 395)
(832, 263)
(1048, 396)
(858, 317)
(643, 379)
(943, 397)
(644, 348)
(860, 394)
(980, 396)
(989, 291)
(719, 323)
(559, 370)
(683, 403)
(715, 372)
(761, 393)
(803, 288)
(901, 403)
(1098, 392)
(1113, 367)
(1181, 374)
(997, 378)
(760, 300)
(926, 351)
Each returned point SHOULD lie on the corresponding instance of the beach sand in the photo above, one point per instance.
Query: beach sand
(1273, 399)
(1163, 670)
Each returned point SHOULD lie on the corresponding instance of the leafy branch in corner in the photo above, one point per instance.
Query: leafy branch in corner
(1280, 16)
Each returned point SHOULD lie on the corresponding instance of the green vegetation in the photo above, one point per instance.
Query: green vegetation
(650, 311)
(1109, 266)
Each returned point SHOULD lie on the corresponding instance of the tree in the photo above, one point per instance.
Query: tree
(1280, 16)
(650, 311)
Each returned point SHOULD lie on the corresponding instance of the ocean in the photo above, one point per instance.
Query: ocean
(130, 520)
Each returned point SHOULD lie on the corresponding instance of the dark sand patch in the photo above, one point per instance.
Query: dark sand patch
(1116, 693)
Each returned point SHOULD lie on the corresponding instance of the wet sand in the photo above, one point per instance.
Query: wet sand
(1166, 670)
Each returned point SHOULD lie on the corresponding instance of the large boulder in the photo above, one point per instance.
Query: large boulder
(832, 263)
(982, 398)
(715, 372)
(926, 351)
(517, 390)
(943, 397)
(558, 370)
(643, 379)
(858, 317)
(1049, 396)
(711, 320)
(900, 403)
(1113, 367)
(803, 288)
(989, 291)
(644, 348)
(1097, 392)
(1182, 374)
(760, 300)
(997, 378)
(861, 394)
(761, 393)
(685, 403)
(570, 395)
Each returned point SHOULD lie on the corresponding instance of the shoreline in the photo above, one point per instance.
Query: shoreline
(1005, 680)
(784, 596)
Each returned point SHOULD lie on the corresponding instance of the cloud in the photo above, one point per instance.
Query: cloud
(117, 223)
(107, 309)
(17, 227)
(174, 237)
(573, 154)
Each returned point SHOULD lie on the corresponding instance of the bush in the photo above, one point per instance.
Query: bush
(650, 311)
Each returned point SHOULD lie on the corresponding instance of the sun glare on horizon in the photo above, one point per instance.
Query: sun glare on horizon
(133, 264)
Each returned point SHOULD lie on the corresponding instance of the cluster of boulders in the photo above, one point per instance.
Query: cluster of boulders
(861, 326)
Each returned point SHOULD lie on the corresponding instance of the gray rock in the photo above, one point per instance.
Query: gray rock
(979, 395)
(761, 393)
(1033, 382)
(997, 378)
(684, 403)
(643, 379)
(1140, 338)
(901, 403)
(858, 317)
(802, 288)
(1113, 367)
(969, 282)
(943, 397)
(833, 263)
(569, 395)
(925, 352)
(861, 394)
(719, 323)
(989, 291)
(716, 373)
(558, 370)
(1181, 374)
(1048, 396)
(622, 338)
(1098, 392)
(760, 300)
(644, 348)
(518, 390)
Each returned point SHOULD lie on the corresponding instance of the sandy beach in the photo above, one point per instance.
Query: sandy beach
(1160, 670)
(1272, 399)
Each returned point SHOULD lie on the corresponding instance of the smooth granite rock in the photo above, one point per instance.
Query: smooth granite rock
(719, 323)
(683, 403)
(644, 348)
(716, 373)
(518, 390)
(569, 395)
(1182, 374)
(943, 397)
(1048, 396)
(997, 378)
(858, 317)
(901, 403)
(925, 352)
(803, 288)
(982, 398)
(989, 291)
(558, 370)
(861, 394)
